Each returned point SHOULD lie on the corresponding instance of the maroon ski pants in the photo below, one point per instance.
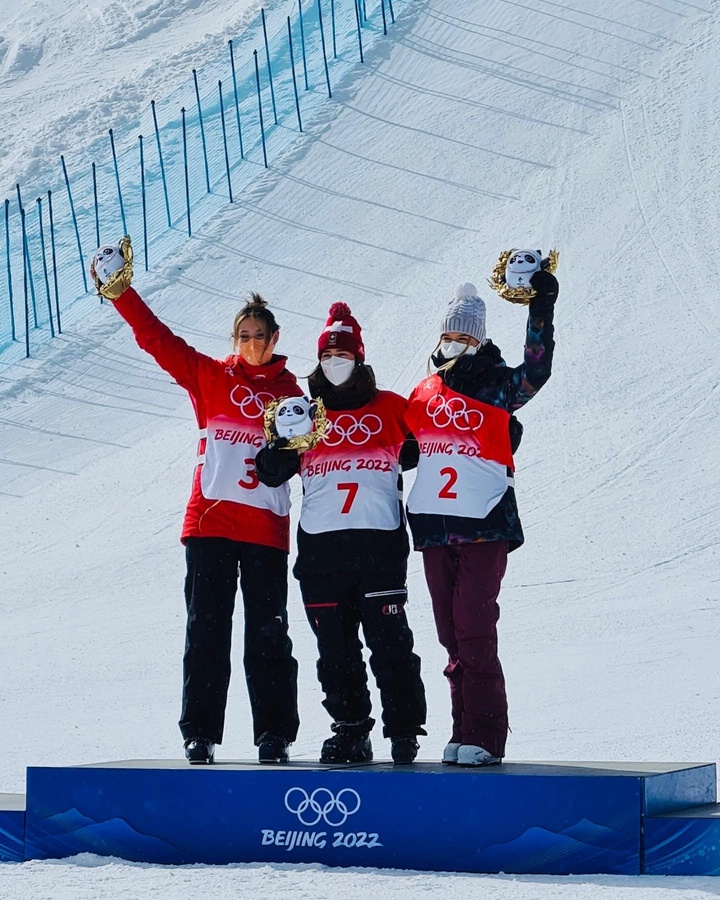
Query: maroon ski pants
(464, 582)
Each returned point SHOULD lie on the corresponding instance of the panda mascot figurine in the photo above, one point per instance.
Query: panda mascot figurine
(521, 266)
(301, 423)
(293, 417)
(514, 270)
(112, 268)
(107, 261)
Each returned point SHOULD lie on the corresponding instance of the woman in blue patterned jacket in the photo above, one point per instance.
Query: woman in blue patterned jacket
(462, 509)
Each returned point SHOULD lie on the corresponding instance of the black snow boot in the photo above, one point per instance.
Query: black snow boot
(272, 748)
(349, 744)
(199, 750)
(403, 750)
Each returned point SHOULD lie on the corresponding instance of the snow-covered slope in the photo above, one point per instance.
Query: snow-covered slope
(588, 126)
(68, 72)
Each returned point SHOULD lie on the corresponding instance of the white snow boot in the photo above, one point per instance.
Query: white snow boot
(470, 755)
(450, 754)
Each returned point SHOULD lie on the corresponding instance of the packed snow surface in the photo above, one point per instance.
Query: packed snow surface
(587, 125)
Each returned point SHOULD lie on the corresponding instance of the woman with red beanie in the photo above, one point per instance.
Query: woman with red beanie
(353, 549)
(232, 521)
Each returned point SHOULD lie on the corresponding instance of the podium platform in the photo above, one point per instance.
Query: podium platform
(685, 842)
(12, 827)
(540, 818)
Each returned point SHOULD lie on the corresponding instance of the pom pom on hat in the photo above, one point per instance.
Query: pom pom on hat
(341, 332)
(465, 289)
(339, 311)
(465, 313)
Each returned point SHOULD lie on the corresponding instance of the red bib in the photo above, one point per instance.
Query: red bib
(464, 452)
(350, 478)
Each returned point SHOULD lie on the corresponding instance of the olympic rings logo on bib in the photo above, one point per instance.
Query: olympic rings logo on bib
(322, 804)
(453, 412)
(355, 431)
(252, 406)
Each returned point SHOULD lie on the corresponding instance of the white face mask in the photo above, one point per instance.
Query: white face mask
(452, 349)
(337, 369)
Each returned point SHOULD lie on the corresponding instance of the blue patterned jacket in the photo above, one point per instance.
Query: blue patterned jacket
(486, 377)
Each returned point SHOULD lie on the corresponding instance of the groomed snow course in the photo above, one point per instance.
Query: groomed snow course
(586, 125)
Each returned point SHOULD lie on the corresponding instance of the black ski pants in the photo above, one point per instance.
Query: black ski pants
(270, 669)
(336, 605)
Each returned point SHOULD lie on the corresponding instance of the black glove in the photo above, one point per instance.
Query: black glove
(409, 454)
(278, 443)
(546, 285)
(275, 466)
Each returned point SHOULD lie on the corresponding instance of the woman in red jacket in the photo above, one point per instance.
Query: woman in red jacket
(232, 522)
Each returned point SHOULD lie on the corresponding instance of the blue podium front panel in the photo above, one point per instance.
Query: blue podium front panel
(684, 843)
(12, 827)
(522, 818)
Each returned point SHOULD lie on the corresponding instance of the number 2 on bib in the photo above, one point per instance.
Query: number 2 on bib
(446, 491)
(352, 489)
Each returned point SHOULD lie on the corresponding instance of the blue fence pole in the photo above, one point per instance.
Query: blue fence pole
(382, 6)
(302, 43)
(294, 77)
(225, 146)
(269, 67)
(237, 102)
(117, 180)
(25, 288)
(26, 251)
(9, 270)
(162, 164)
(332, 20)
(54, 262)
(97, 209)
(45, 267)
(392, 12)
(359, 31)
(202, 130)
(144, 200)
(75, 222)
(322, 41)
(259, 95)
(187, 180)
(364, 11)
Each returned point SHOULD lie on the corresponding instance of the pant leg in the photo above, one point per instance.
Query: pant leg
(390, 641)
(441, 573)
(331, 606)
(270, 668)
(475, 614)
(210, 588)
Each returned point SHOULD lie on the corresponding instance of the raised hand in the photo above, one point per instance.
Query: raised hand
(546, 284)
(112, 268)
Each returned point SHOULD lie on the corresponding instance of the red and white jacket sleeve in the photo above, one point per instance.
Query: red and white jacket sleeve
(183, 362)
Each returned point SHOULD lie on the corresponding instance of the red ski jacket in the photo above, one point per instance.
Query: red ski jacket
(229, 397)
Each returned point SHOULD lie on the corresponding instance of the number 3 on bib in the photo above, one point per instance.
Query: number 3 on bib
(352, 489)
(250, 480)
(446, 492)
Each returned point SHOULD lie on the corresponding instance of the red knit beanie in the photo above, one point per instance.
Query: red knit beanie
(341, 332)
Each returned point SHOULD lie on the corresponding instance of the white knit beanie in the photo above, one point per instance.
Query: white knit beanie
(465, 313)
